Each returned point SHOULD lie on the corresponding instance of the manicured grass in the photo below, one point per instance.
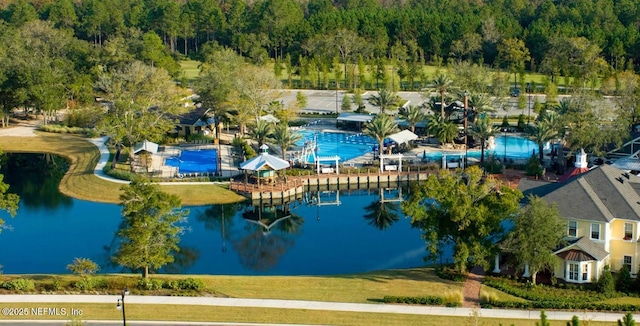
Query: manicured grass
(80, 181)
(190, 69)
(261, 315)
(356, 288)
(624, 300)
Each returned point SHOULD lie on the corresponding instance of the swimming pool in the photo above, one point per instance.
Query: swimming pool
(511, 147)
(195, 161)
(347, 146)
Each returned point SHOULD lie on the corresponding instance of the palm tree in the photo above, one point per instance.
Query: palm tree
(385, 100)
(441, 84)
(261, 131)
(381, 127)
(478, 103)
(543, 131)
(283, 137)
(413, 114)
(447, 132)
(482, 130)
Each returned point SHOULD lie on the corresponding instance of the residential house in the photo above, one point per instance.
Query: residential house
(602, 210)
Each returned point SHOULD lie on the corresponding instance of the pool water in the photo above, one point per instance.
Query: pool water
(195, 161)
(346, 146)
(516, 148)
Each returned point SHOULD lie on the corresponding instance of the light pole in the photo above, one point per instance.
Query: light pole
(120, 305)
(466, 114)
(529, 89)
(505, 146)
(336, 97)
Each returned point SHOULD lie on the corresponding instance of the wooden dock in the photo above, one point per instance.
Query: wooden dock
(295, 186)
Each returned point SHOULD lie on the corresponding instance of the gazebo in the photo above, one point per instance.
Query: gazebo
(264, 166)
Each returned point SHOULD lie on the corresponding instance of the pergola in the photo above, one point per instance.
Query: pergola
(334, 158)
(398, 157)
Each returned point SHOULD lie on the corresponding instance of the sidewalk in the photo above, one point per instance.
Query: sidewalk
(317, 305)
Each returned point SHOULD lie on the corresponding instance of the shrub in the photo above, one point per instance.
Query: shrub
(450, 273)
(19, 284)
(624, 282)
(534, 168)
(172, 284)
(150, 284)
(64, 129)
(192, 284)
(493, 166)
(87, 284)
(605, 283)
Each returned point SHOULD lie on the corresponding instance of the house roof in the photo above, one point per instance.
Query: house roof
(601, 194)
(146, 146)
(355, 117)
(582, 248)
(192, 117)
(576, 255)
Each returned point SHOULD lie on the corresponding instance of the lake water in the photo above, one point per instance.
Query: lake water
(302, 238)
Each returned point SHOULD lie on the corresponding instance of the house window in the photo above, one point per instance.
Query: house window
(574, 272)
(585, 272)
(595, 231)
(626, 260)
(628, 231)
(573, 228)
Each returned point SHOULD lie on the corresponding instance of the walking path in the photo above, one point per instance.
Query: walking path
(471, 290)
(5, 300)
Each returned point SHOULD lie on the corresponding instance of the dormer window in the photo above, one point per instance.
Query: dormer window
(628, 231)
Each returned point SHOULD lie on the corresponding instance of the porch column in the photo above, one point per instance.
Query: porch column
(338, 165)
(526, 270)
(381, 162)
(317, 166)
(400, 164)
(496, 269)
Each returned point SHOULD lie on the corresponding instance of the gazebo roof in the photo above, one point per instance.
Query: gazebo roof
(146, 146)
(263, 161)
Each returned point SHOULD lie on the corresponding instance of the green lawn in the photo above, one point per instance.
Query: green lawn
(190, 69)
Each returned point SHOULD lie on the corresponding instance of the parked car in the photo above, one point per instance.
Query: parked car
(515, 92)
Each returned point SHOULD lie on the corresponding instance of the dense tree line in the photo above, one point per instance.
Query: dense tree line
(413, 30)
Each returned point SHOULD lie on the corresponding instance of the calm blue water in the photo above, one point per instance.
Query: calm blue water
(314, 240)
(191, 161)
(347, 146)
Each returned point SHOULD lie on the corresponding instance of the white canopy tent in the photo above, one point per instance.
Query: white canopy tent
(402, 137)
(270, 118)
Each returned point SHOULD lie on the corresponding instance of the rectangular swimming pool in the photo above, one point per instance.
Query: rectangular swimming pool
(195, 161)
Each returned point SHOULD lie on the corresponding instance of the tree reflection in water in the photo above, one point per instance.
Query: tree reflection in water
(271, 230)
(35, 178)
(220, 218)
(385, 211)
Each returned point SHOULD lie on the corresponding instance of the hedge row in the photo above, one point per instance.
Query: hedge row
(562, 305)
(428, 300)
(542, 293)
(157, 284)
